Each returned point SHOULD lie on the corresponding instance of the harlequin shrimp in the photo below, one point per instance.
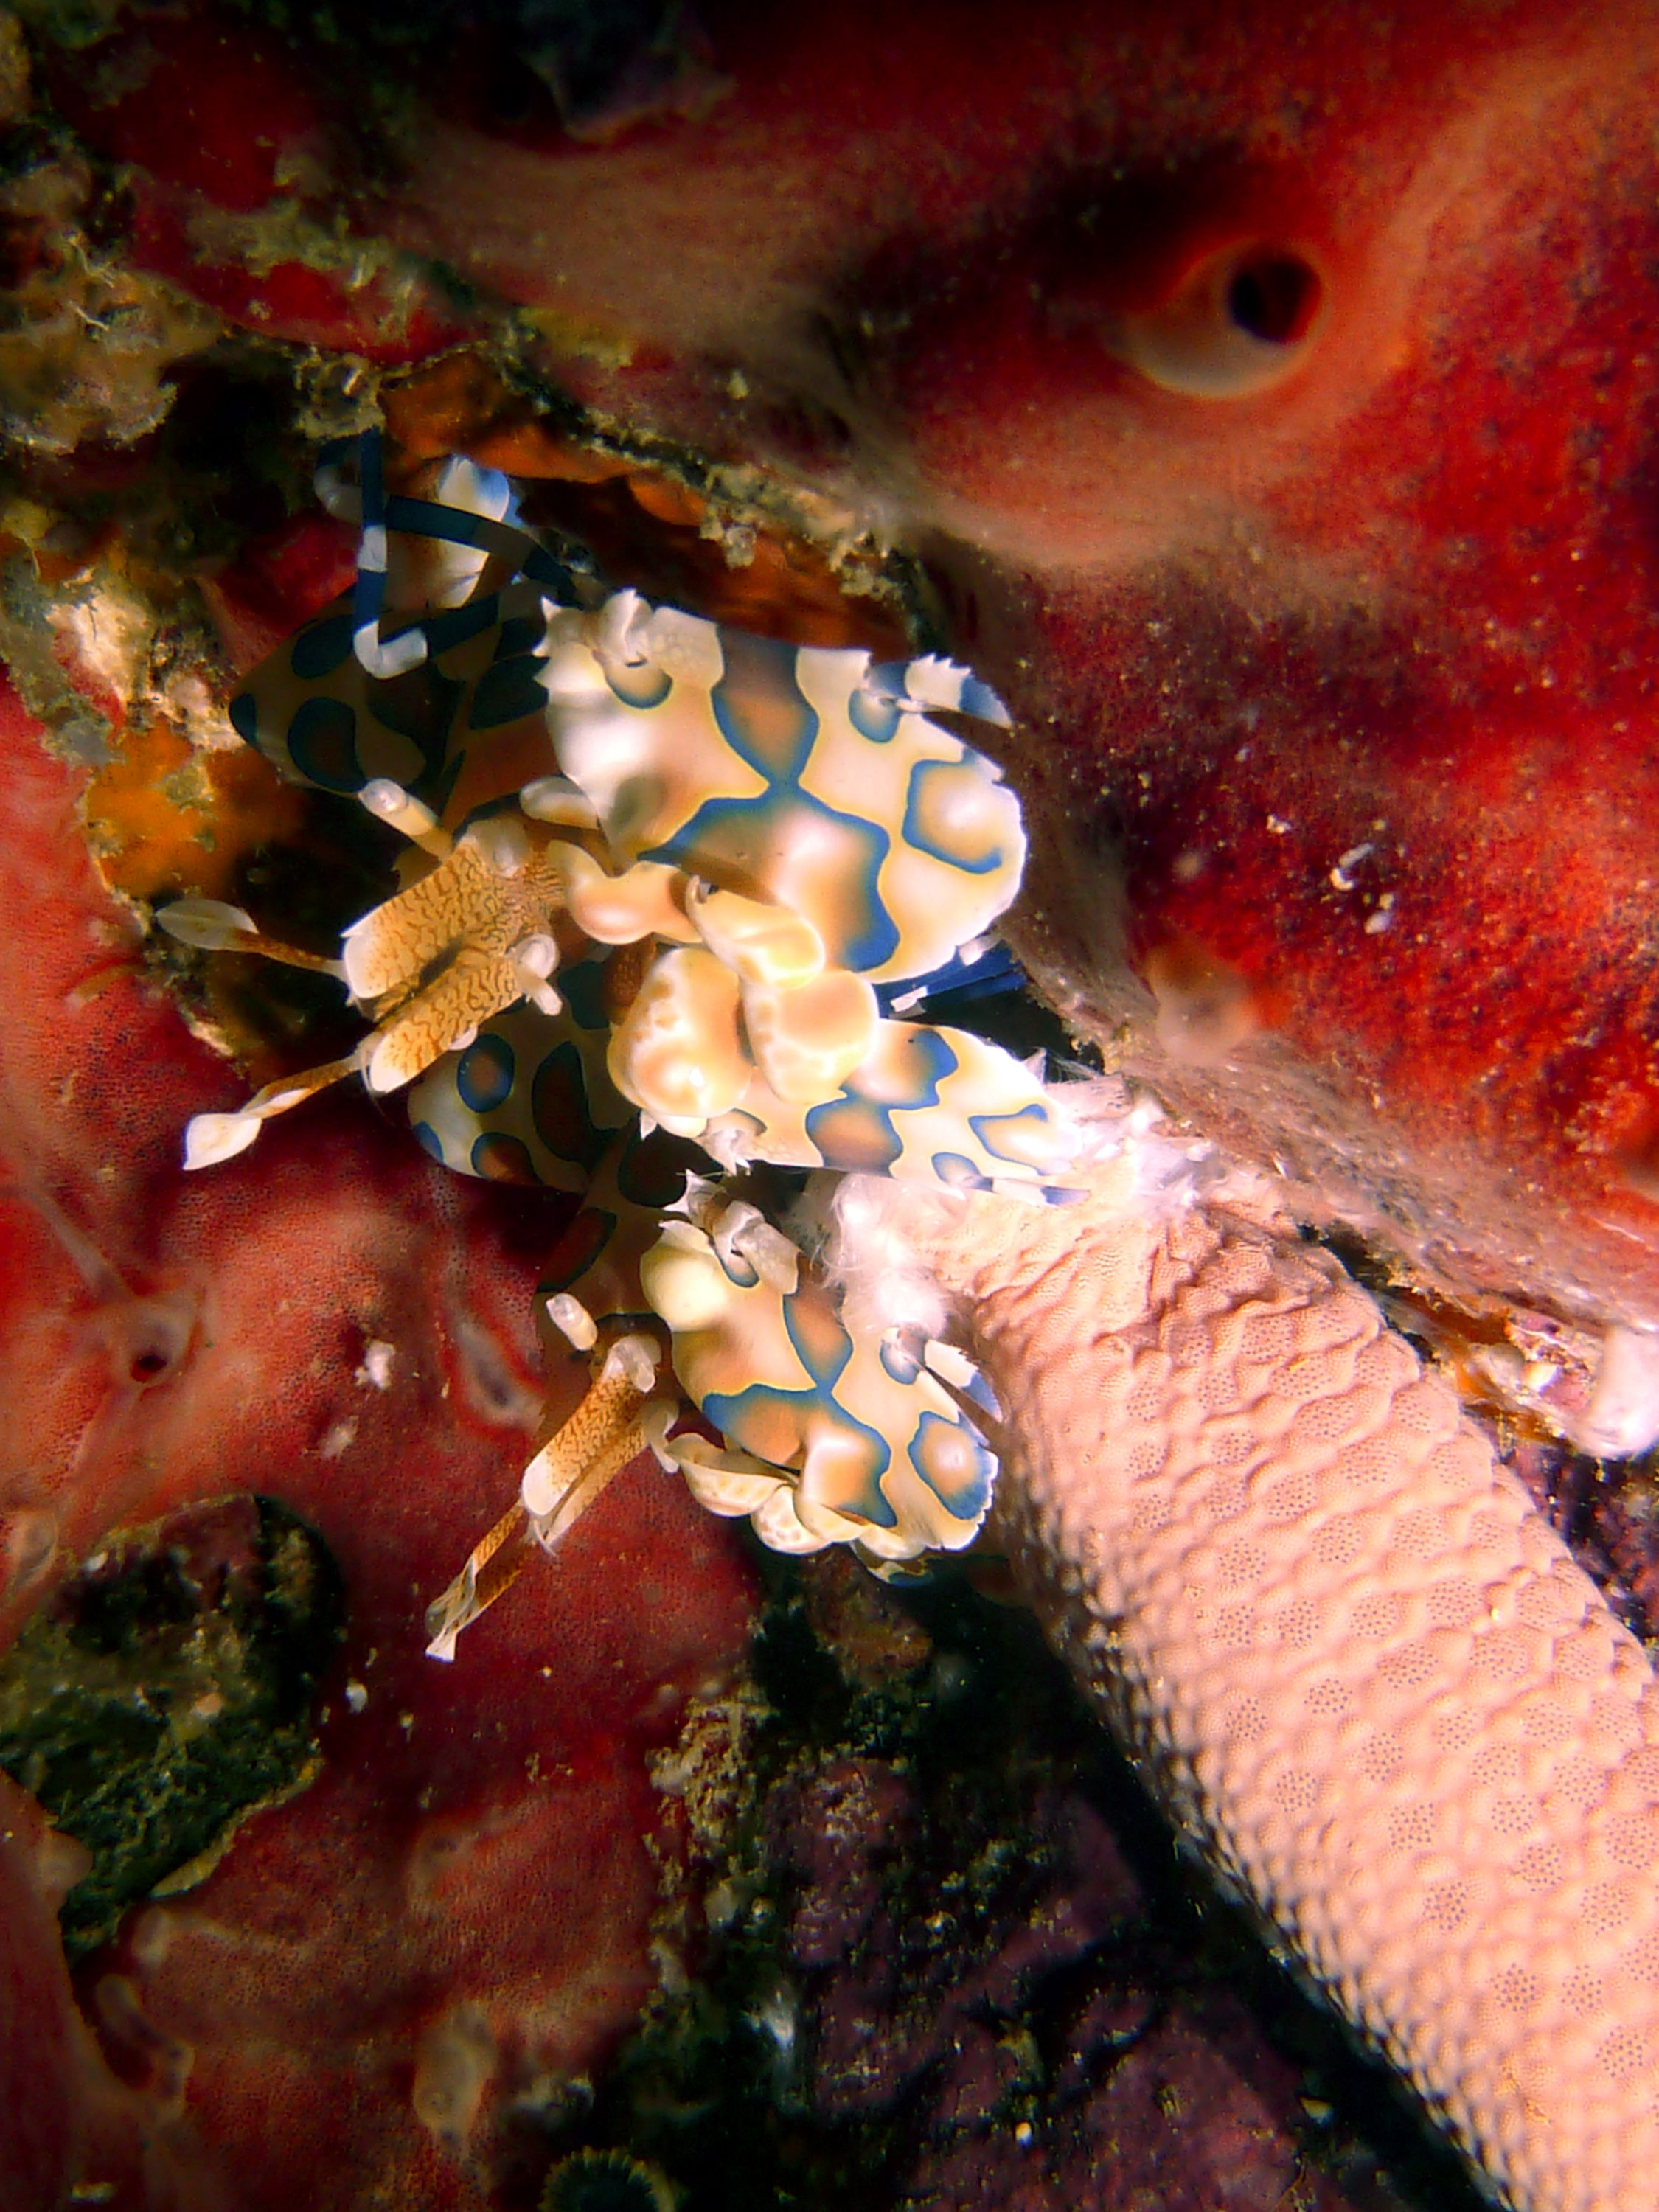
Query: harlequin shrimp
(674, 906)
(668, 890)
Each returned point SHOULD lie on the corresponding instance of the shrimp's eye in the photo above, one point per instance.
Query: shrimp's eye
(1240, 320)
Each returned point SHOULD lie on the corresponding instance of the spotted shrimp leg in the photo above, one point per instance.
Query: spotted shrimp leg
(593, 1302)
(211, 926)
(513, 548)
(621, 1416)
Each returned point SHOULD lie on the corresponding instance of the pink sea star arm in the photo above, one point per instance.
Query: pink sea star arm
(1361, 1672)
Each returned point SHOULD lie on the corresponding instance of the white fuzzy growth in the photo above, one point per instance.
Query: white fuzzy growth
(869, 1224)
(1111, 1127)
(869, 1256)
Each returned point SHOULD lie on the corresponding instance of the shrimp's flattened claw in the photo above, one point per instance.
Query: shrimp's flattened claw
(734, 1484)
(620, 909)
(678, 1052)
(807, 1039)
(794, 778)
(210, 1139)
(493, 1565)
(760, 943)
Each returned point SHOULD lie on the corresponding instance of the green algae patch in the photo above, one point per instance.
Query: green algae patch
(165, 1692)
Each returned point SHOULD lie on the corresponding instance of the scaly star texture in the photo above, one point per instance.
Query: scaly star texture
(1363, 1674)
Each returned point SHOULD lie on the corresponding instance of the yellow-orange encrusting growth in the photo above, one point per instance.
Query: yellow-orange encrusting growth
(1360, 1671)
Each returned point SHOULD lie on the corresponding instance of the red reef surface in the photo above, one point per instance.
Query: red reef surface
(1262, 398)
(454, 1921)
(1269, 393)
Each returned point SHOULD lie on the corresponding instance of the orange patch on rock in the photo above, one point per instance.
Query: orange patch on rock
(164, 819)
